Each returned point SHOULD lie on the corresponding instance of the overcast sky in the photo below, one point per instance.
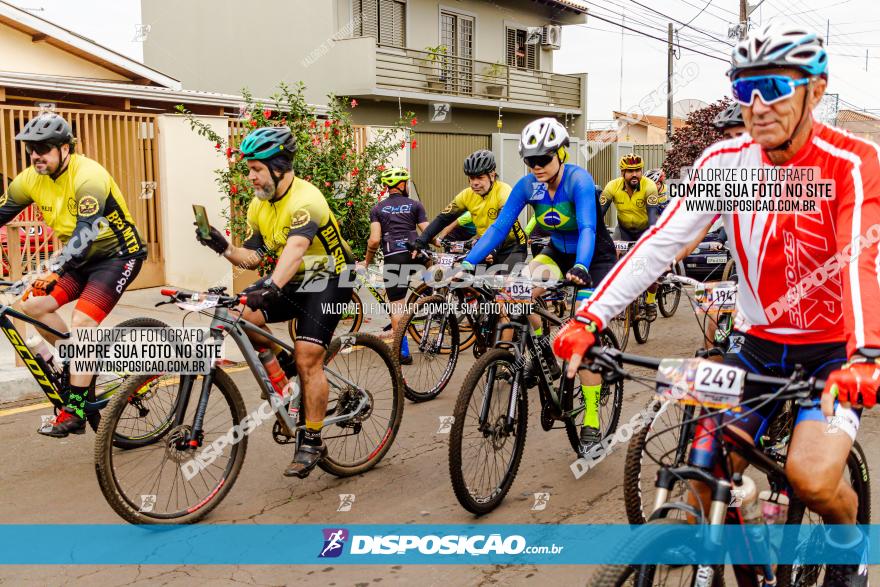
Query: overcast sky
(595, 48)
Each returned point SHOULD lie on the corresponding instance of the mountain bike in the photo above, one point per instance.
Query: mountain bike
(696, 382)
(714, 305)
(491, 414)
(183, 478)
(145, 423)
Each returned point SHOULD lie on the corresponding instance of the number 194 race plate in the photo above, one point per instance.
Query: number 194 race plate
(700, 382)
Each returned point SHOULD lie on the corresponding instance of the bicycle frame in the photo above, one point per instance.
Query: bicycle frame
(35, 364)
(224, 323)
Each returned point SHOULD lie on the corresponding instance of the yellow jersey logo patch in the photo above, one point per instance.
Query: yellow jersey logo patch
(653, 200)
(299, 218)
(88, 205)
(71, 206)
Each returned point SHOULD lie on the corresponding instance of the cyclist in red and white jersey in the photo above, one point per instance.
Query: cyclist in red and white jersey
(779, 74)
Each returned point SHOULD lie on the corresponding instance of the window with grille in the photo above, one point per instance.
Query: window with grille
(518, 53)
(384, 20)
(457, 35)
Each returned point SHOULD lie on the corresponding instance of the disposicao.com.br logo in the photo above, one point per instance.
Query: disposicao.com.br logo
(431, 544)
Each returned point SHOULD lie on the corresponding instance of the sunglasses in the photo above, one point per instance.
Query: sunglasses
(538, 160)
(771, 88)
(38, 148)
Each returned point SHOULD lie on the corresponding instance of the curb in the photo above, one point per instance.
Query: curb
(18, 384)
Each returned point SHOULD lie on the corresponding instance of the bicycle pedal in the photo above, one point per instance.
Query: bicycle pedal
(279, 435)
(547, 419)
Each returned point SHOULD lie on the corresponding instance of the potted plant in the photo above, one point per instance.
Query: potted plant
(496, 76)
(433, 66)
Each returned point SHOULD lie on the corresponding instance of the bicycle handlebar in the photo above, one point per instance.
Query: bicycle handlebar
(609, 356)
(178, 295)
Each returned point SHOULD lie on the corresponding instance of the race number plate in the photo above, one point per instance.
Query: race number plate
(199, 304)
(621, 246)
(445, 260)
(456, 247)
(716, 259)
(700, 382)
(720, 295)
(517, 290)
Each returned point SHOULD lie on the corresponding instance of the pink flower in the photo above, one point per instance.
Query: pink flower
(267, 113)
(355, 171)
(217, 146)
(227, 232)
(413, 144)
(354, 103)
(349, 203)
(403, 144)
(327, 184)
(380, 168)
(342, 157)
(326, 123)
(228, 152)
(312, 124)
(413, 122)
(233, 189)
(253, 123)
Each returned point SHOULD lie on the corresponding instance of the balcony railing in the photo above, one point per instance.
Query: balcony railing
(425, 72)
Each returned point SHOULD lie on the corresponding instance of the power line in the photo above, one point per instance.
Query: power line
(702, 10)
(677, 21)
(691, 49)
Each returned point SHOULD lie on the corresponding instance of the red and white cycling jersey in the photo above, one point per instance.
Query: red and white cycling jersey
(833, 251)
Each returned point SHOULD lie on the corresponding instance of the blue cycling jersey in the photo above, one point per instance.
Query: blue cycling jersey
(571, 217)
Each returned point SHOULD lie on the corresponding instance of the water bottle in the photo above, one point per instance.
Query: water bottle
(753, 517)
(274, 370)
(774, 506)
(41, 348)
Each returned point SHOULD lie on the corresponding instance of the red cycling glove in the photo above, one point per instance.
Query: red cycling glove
(576, 336)
(855, 383)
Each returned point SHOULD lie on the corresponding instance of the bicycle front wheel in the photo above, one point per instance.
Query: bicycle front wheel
(171, 482)
(484, 458)
(620, 326)
(432, 338)
(645, 575)
(641, 326)
(360, 367)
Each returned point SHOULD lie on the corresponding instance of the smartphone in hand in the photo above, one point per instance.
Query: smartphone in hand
(202, 221)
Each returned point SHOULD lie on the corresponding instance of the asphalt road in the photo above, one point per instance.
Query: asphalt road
(53, 481)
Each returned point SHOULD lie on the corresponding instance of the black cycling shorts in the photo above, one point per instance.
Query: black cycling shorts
(391, 265)
(317, 312)
(97, 285)
(629, 235)
(509, 258)
(565, 261)
(757, 355)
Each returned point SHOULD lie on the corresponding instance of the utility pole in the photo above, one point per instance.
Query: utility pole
(670, 51)
(743, 18)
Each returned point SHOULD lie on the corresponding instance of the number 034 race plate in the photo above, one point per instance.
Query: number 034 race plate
(700, 382)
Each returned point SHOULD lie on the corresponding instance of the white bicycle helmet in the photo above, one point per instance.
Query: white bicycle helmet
(542, 136)
(780, 45)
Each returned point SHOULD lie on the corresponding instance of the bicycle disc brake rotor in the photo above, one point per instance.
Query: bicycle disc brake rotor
(176, 448)
(498, 434)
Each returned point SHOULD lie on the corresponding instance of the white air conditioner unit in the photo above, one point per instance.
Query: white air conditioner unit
(551, 36)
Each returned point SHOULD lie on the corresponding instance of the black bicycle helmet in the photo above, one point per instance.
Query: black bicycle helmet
(46, 128)
(479, 163)
(729, 117)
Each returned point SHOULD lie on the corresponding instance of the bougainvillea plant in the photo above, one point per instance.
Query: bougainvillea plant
(689, 142)
(331, 154)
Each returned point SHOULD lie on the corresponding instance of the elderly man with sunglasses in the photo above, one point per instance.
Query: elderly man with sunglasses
(785, 315)
(103, 251)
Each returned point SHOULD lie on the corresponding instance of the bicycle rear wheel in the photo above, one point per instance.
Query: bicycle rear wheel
(168, 481)
(148, 415)
(620, 326)
(668, 298)
(357, 365)
(434, 350)
(483, 461)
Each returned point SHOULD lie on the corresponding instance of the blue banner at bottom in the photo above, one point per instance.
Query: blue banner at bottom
(663, 543)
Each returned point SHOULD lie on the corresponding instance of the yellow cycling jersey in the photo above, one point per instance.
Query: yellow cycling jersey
(301, 211)
(632, 211)
(82, 194)
(484, 210)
